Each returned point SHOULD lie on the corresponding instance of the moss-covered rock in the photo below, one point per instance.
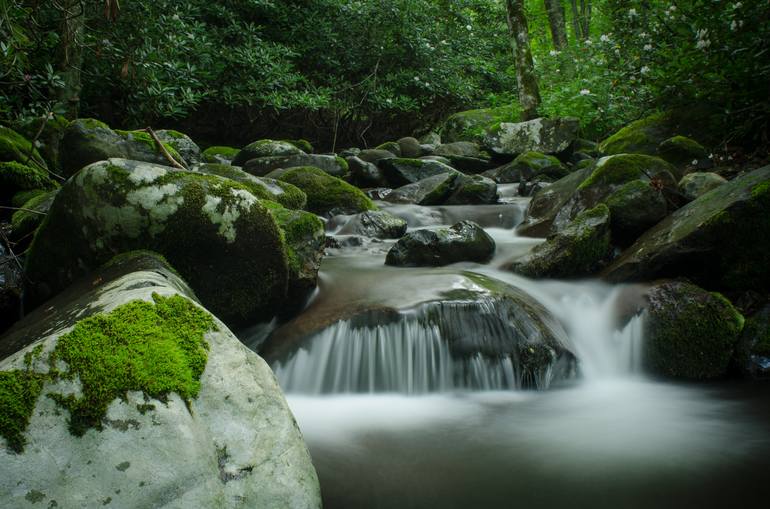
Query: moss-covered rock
(464, 241)
(49, 138)
(183, 144)
(265, 148)
(682, 151)
(546, 204)
(326, 195)
(461, 149)
(622, 168)
(303, 145)
(428, 191)
(400, 171)
(15, 147)
(23, 197)
(473, 125)
(364, 175)
(87, 141)
(30, 216)
(373, 155)
(578, 250)
(689, 333)
(409, 147)
(721, 239)
(634, 208)
(549, 136)
(263, 188)
(529, 166)
(213, 230)
(472, 190)
(16, 177)
(391, 146)
(699, 183)
(219, 155)
(333, 165)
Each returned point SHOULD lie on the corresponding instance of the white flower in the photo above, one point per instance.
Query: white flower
(694, 162)
(703, 43)
(648, 47)
(416, 78)
(175, 17)
(389, 101)
(672, 8)
(553, 52)
(588, 42)
(604, 38)
(632, 13)
(738, 5)
(468, 27)
(430, 69)
(585, 91)
(644, 70)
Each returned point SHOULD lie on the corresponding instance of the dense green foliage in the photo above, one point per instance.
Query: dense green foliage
(363, 71)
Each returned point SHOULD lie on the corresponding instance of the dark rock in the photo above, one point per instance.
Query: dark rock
(696, 184)
(682, 152)
(752, 354)
(464, 241)
(375, 223)
(373, 155)
(473, 190)
(634, 208)
(547, 202)
(363, 174)
(410, 147)
(333, 165)
(470, 164)
(400, 172)
(528, 166)
(430, 191)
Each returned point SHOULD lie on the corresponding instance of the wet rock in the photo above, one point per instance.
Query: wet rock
(326, 195)
(720, 239)
(459, 148)
(265, 148)
(474, 125)
(363, 174)
(373, 155)
(464, 241)
(578, 250)
(375, 223)
(547, 203)
(263, 188)
(183, 144)
(696, 184)
(217, 234)
(261, 166)
(409, 147)
(549, 136)
(473, 190)
(689, 333)
(214, 430)
(634, 208)
(752, 354)
(429, 191)
(527, 167)
(400, 172)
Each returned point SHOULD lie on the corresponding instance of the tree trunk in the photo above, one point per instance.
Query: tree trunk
(576, 28)
(71, 56)
(585, 18)
(556, 21)
(529, 94)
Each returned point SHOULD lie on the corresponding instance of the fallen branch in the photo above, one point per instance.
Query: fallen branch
(163, 151)
(22, 208)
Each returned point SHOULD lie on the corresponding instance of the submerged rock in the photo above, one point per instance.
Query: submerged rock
(464, 241)
(217, 234)
(690, 333)
(578, 250)
(154, 403)
(549, 136)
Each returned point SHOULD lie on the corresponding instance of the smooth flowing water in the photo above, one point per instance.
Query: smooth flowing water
(394, 419)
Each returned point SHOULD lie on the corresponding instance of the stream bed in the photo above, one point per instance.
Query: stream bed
(394, 420)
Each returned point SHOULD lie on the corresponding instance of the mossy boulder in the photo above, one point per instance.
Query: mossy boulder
(213, 230)
(390, 146)
(333, 165)
(429, 191)
(265, 148)
(375, 224)
(49, 138)
(363, 174)
(409, 147)
(464, 241)
(634, 208)
(145, 393)
(546, 204)
(16, 178)
(400, 171)
(549, 136)
(579, 250)
(30, 216)
(263, 188)
(464, 164)
(15, 147)
(473, 125)
(752, 354)
(529, 166)
(183, 144)
(472, 190)
(219, 155)
(699, 183)
(460, 148)
(690, 333)
(721, 239)
(682, 151)
(303, 145)
(87, 141)
(326, 195)
(373, 155)
(305, 240)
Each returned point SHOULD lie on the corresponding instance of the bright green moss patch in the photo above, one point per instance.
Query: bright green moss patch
(326, 193)
(15, 176)
(622, 168)
(31, 215)
(22, 197)
(19, 391)
(219, 154)
(157, 348)
(15, 147)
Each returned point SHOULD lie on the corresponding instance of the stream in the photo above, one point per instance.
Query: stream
(394, 419)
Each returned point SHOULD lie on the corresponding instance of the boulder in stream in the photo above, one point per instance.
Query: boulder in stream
(464, 241)
(375, 224)
(326, 195)
(549, 136)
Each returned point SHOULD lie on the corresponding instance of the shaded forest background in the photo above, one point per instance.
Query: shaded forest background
(359, 72)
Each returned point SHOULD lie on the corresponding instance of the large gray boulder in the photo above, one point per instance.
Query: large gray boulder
(375, 223)
(464, 241)
(261, 166)
(217, 234)
(549, 136)
(699, 183)
(429, 191)
(474, 125)
(400, 171)
(265, 148)
(154, 403)
(722, 239)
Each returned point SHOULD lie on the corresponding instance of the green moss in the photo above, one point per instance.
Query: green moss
(642, 136)
(90, 123)
(34, 211)
(16, 177)
(19, 391)
(219, 154)
(263, 188)
(325, 193)
(760, 190)
(15, 147)
(474, 125)
(298, 229)
(390, 146)
(145, 138)
(622, 168)
(175, 134)
(22, 197)
(342, 164)
(157, 348)
(303, 145)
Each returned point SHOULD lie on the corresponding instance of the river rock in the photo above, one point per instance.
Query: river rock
(263, 188)
(326, 195)
(634, 208)
(689, 333)
(578, 250)
(549, 136)
(698, 183)
(217, 234)
(459, 148)
(409, 147)
(547, 202)
(180, 413)
(470, 164)
(473, 125)
(219, 155)
(720, 239)
(529, 166)
(752, 354)
(364, 175)
(265, 148)
(464, 241)
(682, 151)
(400, 172)
(183, 144)
(47, 140)
(375, 223)
(473, 190)
(373, 155)
(261, 166)
(87, 141)
(429, 191)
